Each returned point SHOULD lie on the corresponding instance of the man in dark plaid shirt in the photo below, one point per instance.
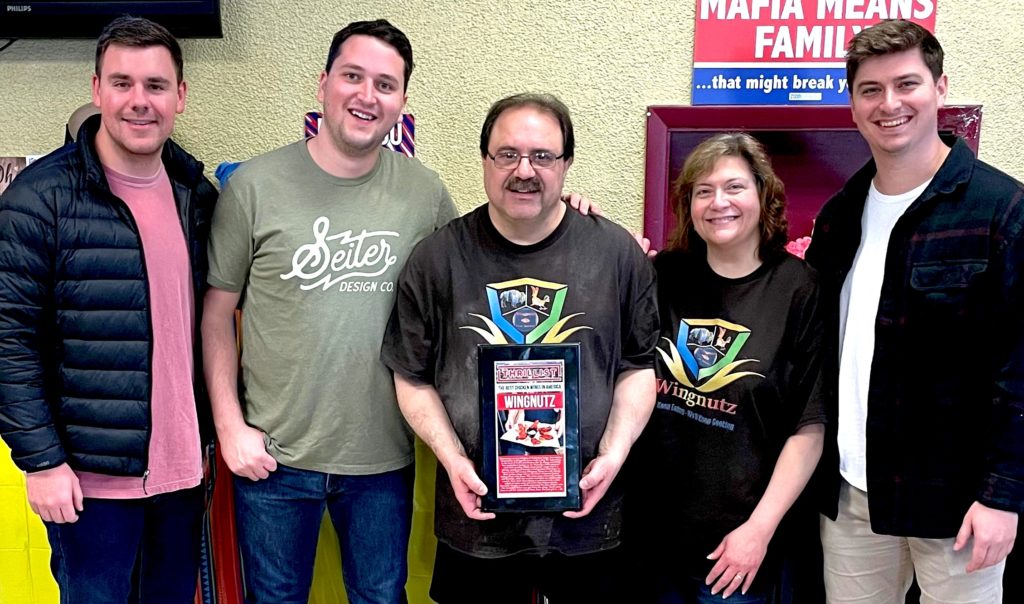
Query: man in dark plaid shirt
(922, 253)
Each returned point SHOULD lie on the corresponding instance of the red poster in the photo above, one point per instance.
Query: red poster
(530, 401)
(777, 52)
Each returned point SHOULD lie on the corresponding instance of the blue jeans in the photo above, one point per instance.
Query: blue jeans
(129, 550)
(687, 590)
(279, 524)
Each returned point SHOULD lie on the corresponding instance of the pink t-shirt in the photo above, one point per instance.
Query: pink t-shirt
(175, 460)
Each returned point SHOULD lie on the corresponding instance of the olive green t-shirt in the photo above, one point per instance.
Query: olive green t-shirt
(317, 258)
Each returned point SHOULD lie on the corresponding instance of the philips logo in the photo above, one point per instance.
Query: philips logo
(19, 8)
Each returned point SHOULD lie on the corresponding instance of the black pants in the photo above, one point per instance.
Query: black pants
(585, 579)
(130, 550)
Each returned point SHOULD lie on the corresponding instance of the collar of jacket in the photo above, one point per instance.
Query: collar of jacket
(180, 165)
(953, 172)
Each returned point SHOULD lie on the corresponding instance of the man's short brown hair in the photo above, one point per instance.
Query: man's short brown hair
(137, 32)
(889, 37)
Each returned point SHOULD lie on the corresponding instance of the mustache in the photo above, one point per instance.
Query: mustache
(523, 185)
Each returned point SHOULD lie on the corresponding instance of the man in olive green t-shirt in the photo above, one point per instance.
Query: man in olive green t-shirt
(314, 234)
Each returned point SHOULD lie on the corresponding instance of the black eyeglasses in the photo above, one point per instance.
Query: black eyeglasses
(507, 158)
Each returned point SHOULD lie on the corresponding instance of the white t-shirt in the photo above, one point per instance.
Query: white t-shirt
(858, 308)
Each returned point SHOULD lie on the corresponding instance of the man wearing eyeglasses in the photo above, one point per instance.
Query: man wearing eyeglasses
(584, 277)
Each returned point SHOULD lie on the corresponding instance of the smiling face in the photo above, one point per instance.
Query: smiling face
(726, 209)
(362, 95)
(895, 102)
(525, 195)
(138, 95)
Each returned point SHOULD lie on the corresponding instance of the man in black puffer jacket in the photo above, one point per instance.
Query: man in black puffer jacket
(102, 269)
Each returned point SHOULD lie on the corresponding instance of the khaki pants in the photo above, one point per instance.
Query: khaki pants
(861, 566)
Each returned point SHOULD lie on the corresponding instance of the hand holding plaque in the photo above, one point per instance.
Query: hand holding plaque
(467, 486)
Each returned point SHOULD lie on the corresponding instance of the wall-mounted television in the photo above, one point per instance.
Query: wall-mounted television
(86, 18)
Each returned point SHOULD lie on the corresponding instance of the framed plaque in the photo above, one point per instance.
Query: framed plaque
(529, 397)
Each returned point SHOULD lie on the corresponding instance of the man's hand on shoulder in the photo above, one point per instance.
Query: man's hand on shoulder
(245, 453)
(582, 204)
(585, 206)
(994, 532)
(645, 244)
(467, 486)
(55, 494)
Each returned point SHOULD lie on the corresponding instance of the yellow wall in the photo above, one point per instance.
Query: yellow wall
(24, 552)
(607, 59)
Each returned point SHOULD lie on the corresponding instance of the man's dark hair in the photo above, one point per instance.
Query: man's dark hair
(383, 31)
(545, 102)
(889, 37)
(136, 32)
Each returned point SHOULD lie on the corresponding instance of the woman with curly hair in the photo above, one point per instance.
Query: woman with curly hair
(738, 427)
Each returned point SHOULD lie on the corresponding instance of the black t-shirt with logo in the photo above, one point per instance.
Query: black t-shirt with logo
(738, 372)
(466, 285)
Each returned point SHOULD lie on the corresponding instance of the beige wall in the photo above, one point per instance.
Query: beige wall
(607, 59)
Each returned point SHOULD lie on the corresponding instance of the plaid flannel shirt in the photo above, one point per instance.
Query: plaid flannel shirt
(945, 422)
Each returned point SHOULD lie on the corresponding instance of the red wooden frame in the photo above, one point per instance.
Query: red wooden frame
(665, 121)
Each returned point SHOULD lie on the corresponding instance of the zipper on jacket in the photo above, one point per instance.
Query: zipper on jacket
(149, 317)
(186, 210)
(182, 210)
(149, 325)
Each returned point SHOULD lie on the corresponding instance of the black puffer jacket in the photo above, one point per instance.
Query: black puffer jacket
(75, 331)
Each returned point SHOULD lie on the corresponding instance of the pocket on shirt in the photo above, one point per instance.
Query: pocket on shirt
(946, 283)
(945, 274)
